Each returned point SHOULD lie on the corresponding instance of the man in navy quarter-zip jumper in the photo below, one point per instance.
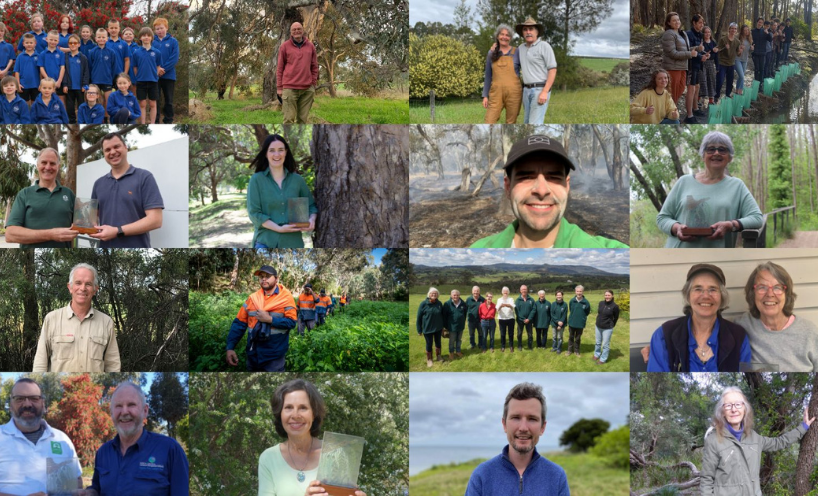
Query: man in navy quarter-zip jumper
(519, 469)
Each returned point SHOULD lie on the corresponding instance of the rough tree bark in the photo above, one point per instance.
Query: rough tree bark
(361, 177)
(806, 454)
(435, 150)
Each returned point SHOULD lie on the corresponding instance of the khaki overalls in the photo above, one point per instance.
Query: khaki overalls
(506, 91)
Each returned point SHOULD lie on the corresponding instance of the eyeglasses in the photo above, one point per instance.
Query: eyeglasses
(713, 149)
(698, 291)
(778, 289)
(734, 406)
(22, 399)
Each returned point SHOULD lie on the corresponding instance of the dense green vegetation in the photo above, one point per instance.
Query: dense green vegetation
(368, 336)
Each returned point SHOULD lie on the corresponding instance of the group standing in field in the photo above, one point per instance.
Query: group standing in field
(698, 66)
(435, 319)
(59, 77)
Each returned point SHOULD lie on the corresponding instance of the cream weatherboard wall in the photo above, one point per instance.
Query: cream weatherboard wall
(657, 277)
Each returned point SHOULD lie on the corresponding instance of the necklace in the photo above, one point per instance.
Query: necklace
(301, 477)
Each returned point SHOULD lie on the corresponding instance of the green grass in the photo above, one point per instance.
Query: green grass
(529, 360)
(342, 110)
(601, 65)
(607, 105)
(203, 213)
(587, 476)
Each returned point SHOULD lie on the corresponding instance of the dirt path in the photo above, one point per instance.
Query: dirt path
(802, 239)
(227, 229)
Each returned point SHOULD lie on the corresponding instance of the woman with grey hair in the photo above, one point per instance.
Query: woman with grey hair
(732, 449)
(706, 209)
(430, 323)
(501, 81)
(728, 49)
(778, 338)
(718, 345)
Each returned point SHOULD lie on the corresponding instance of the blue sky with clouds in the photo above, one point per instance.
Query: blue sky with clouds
(610, 39)
(614, 261)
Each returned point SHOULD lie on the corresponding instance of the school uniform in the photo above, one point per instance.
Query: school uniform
(77, 76)
(15, 111)
(103, 67)
(86, 46)
(119, 103)
(63, 43)
(6, 54)
(53, 113)
(120, 48)
(26, 66)
(91, 115)
(146, 63)
(52, 62)
(131, 48)
(169, 48)
(41, 43)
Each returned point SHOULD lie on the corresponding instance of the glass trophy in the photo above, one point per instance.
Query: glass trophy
(298, 211)
(86, 215)
(61, 476)
(340, 463)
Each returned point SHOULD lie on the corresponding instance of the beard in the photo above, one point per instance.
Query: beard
(522, 449)
(549, 225)
(32, 423)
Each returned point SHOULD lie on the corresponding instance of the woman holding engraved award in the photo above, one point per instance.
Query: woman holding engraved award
(304, 464)
(279, 203)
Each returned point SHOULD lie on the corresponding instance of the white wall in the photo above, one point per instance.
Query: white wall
(657, 277)
(168, 162)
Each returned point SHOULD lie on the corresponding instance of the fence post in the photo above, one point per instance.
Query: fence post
(432, 103)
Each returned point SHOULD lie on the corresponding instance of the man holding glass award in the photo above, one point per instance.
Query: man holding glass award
(35, 458)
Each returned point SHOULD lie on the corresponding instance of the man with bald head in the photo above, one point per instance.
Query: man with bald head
(473, 303)
(296, 76)
(42, 213)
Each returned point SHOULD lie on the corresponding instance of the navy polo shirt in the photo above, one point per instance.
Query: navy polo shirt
(26, 66)
(156, 465)
(123, 201)
(122, 51)
(74, 67)
(52, 62)
(39, 38)
(6, 54)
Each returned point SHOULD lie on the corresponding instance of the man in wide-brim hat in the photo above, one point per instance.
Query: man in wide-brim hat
(539, 69)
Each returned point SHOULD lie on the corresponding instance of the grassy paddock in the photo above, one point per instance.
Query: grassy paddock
(529, 360)
(601, 65)
(607, 105)
(346, 110)
(587, 476)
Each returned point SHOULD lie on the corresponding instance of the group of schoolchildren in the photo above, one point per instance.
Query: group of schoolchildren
(58, 77)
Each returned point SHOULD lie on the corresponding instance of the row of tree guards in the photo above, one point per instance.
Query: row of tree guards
(729, 107)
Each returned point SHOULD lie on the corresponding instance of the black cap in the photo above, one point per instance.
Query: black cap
(308, 285)
(267, 270)
(706, 268)
(323, 292)
(538, 143)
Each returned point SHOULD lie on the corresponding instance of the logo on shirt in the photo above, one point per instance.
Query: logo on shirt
(16, 108)
(104, 57)
(151, 465)
(56, 106)
(153, 54)
(130, 103)
(64, 197)
(78, 61)
(57, 55)
(56, 448)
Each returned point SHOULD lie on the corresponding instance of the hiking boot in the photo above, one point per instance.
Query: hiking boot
(428, 358)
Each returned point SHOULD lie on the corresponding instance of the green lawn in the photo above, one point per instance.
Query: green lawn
(342, 110)
(528, 360)
(601, 65)
(587, 476)
(607, 105)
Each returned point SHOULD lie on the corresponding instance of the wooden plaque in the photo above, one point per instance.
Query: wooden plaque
(698, 231)
(300, 224)
(84, 230)
(338, 490)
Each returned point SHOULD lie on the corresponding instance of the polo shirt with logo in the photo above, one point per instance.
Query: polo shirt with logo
(37, 208)
(124, 201)
(23, 464)
(155, 465)
(52, 62)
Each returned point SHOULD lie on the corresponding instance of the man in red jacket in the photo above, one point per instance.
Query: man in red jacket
(296, 76)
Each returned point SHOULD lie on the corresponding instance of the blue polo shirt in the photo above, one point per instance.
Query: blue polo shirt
(41, 43)
(103, 65)
(51, 62)
(15, 111)
(146, 63)
(63, 40)
(53, 113)
(169, 48)
(90, 115)
(658, 361)
(155, 465)
(123, 201)
(120, 48)
(28, 69)
(6, 54)
(131, 47)
(86, 46)
(73, 70)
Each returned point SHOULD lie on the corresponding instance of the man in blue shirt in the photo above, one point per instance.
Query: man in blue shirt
(137, 462)
(519, 469)
(130, 204)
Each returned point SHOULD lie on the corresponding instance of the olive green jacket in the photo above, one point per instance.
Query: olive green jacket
(731, 467)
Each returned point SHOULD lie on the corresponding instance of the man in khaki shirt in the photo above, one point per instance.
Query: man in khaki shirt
(78, 338)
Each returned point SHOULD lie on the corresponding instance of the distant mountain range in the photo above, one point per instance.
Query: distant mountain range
(539, 269)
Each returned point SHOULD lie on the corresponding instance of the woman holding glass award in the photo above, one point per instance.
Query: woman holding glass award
(291, 468)
(278, 199)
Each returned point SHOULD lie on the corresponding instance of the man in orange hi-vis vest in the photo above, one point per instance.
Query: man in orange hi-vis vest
(324, 302)
(344, 301)
(307, 301)
(270, 314)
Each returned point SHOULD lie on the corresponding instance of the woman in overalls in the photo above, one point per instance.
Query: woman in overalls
(501, 85)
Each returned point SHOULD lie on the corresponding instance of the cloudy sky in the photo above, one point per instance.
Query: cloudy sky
(466, 409)
(614, 261)
(611, 38)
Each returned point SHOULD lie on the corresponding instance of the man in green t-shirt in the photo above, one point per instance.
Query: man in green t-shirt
(41, 215)
(537, 182)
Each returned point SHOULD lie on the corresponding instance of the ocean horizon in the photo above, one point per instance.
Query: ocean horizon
(424, 457)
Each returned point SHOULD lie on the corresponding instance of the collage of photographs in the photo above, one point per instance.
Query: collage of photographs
(512, 219)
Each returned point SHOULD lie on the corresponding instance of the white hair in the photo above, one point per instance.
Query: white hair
(541, 292)
(429, 293)
(49, 149)
(135, 388)
(84, 266)
(455, 291)
(579, 286)
(505, 289)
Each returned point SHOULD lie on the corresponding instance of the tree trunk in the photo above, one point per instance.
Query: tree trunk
(489, 173)
(31, 319)
(639, 177)
(603, 147)
(73, 150)
(793, 171)
(361, 177)
(617, 160)
(435, 150)
(234, 275)
(233, 85)
(815, 150)
(806, 453)
(214, 182)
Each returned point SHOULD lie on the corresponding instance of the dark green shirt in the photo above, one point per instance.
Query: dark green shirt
(455, 316)
(543, 314)
(524, 308)
(578, 312)
(559, 312)
(37, 208)
(267, 201)
(473, 306)
(569, 236)
(430, 317)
